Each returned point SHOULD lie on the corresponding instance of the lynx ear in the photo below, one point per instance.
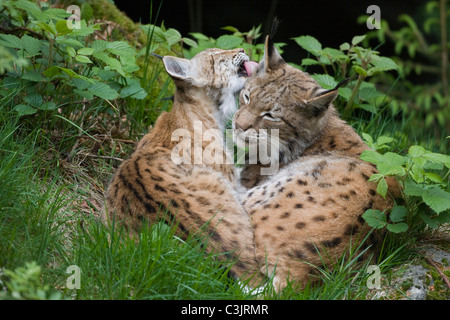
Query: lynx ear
(324, 98)
(272, 59)
(178, 68)
(319, 104)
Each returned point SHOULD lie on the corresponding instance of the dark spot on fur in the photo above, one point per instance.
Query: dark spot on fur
(280, 228)
(298, 206)
(311, 199)
(264, 218)
(302, 182)
(300, 225)
(267, 206)
(297, 254)
(325, 185)
(372, 192)
(351, 229)
(277, 206)
(319, 218)
(159, 188)
(290, 195)
(344, 196)
(332, 243)
(311, 247)
(285, 215)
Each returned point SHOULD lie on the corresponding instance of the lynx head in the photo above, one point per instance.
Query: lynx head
(280, 97)
(220, 74)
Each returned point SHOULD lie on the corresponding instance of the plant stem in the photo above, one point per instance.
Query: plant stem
(444, 66)
(348, 108)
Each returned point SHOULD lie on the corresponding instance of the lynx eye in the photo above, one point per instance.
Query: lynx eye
(246, 97)
(269, 116)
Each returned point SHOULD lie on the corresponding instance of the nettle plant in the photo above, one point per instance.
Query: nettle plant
(349, 61)
(55, 63)
(424, 178)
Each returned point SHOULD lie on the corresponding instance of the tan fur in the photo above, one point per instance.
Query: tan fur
(196, 196)
(315, 202)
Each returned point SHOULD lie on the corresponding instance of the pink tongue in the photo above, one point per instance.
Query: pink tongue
(250, 67)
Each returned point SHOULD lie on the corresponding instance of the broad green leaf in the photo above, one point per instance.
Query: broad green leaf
(345, 46)
(190, 42)
(416, 172)
(228, 42)
(11, 41)
(134, 91)
(414, 189)
(33, 76)
(309, 62)
(357, 39)
(384, 140)
(435, 221)
(360, 70)
(61, 28)
(372, 156)
(434, 177)
(83, 59)
(375, 218)
(99, 45)
(103, 91)
(367, 138)
(71, 51)
(23, 109)
(398, 214)
(47, 27)
(437, 157)
(31, 45)
(326, 81)
(437, 199)
(50, 105)
(85, 51)
(416, 151)
(398, 227)
(34, 100)
(199, 36)
(173, 36)
(309, 43)
(382, 188)
(120, 48)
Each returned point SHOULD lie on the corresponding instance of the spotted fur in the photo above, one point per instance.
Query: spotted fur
(150, 186)
(310, 212)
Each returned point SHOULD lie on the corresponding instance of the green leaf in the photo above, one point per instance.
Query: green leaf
(120, 48)
(23, 109)
(33, 76)
(434, 177)
(134, 91)
(85, 51)
(11, 41)
(47, 27)
(50, 105)
(71, 51)
(103, 91)
(382, 64)
(414, 189)
(357, 39)
(367, 138)
(398, 214)
(371, 156)
(437, 199)
(375, 218)
(34, 100)
(83, 59)
(438, 158)
(345, 46)
(384, 140)
(416, 151)
(190, 42)
(309, 62)
(32, 46)
(382, 188)
(309, 43)
(398, 227)
(172, 36)
(61, 28)
(326, 81)
(435, 221)
(360, 70)
(228, 42)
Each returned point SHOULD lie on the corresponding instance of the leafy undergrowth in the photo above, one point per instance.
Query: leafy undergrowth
(73, 105)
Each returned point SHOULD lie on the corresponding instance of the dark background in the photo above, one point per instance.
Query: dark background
(332, 22)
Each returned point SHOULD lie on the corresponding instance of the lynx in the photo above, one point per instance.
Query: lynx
(310, 211)
(151, 185)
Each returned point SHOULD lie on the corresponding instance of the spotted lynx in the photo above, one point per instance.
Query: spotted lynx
(196, 192)
(314, 203)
